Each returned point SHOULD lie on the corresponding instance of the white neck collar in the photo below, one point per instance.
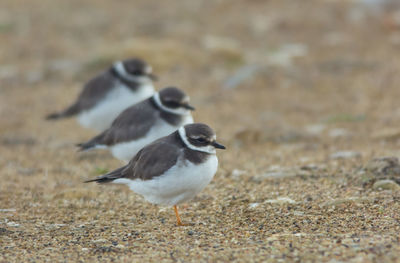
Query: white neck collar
(207, 149)
(178, 111)
(120, 68)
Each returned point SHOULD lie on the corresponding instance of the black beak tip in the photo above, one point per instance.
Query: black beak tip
(189, 107)
(219, 146)
(153, 77)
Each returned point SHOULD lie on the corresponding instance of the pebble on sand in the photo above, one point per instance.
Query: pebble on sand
(386, 185)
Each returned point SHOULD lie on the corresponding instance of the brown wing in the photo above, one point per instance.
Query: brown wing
(152, 161)
(131, 124)
(95, 90)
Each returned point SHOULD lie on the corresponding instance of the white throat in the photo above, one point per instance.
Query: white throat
(178, 111)
(207, 149)
(120, 68)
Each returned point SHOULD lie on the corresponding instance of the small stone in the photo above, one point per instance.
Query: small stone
(58, 225)
(345, 155)
(85, 249)
(13, 224)
(8, 210)
(120, 246)
(385, 185)
(253, 205)
(285, 54)
(102, 240)
(315, 129)
(283, 172)
(279, 174)
(336, 133)
(220, 42)
(237, 173)
(298, 213)
(241, 75)
(280, 200)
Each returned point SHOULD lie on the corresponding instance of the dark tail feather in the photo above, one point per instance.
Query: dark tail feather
(72, 110)
(85, 146)
(55, 116)
(91, 143)
(108, 177)
(100, 180)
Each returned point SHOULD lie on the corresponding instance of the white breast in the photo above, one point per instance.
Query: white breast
(179, 184)
(126, 150)
(118, 99)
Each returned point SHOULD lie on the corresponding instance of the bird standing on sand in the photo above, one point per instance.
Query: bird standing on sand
(143, 123)
(172, 169)
(108, 94)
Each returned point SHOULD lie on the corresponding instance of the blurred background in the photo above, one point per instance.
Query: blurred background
(292, 87)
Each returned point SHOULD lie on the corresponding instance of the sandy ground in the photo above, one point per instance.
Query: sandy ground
(304, 94)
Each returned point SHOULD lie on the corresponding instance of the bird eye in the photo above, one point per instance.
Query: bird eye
(136, 72)
(202, 140)
(171, 104)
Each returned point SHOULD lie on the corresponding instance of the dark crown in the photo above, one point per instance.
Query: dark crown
(199, 130)
(135, 66)
(172, 94)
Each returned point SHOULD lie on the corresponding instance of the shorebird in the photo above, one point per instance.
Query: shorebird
(143, 123)
(172, 169)
(108, 94)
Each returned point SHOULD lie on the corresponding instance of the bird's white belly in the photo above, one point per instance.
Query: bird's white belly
(178, 184)
(118, 99)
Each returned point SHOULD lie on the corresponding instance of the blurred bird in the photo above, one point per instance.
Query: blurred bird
(108, 94)
(172, 169)
(143, 123)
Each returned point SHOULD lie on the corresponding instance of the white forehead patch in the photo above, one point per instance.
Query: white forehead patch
(148, 69)
(186, 99)
(207, 149)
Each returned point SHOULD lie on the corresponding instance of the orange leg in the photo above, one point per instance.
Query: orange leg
(178, 218)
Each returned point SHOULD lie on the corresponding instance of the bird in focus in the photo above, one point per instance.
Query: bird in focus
(172, 169)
